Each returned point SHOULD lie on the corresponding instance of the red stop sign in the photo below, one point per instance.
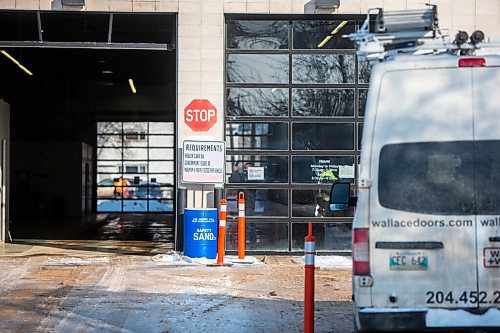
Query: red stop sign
(200, 115)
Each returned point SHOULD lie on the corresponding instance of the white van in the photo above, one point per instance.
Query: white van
(426, 231)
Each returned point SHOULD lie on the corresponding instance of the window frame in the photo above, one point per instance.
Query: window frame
(117, 166)
(290, 118)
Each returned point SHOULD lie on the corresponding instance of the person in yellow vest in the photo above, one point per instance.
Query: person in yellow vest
(121, 189)
(322, 196)
(328, 176)
(322, 203)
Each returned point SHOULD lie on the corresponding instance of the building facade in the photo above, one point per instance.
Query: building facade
(288, 104)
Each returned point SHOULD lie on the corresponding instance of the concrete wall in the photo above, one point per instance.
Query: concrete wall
(454, 14)
(4, 169)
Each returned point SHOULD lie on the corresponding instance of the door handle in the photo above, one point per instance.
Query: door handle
(494, 239)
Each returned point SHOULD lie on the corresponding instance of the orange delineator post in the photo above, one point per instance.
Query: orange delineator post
(221, 246)
(241, 225)
(309, 254)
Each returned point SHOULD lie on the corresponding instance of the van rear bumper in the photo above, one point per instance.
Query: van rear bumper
(425, 319)
(391, 321)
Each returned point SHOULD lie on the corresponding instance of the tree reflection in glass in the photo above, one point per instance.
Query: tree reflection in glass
(323, 68)
(363, 94)
(364, 71)
(309, 34)
(257, 35)
(257, 68)
(323, 102)
(257, 102)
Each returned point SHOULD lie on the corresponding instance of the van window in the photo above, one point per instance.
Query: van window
(448, 178)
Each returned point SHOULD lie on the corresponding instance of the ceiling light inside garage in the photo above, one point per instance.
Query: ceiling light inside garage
(132, 85)
(14, 60)
(334, 31)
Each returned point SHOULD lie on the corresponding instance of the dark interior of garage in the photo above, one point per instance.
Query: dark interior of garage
(80, 65)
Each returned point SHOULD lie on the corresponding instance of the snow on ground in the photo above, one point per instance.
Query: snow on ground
(328, 262)
(71, 261)
(175, 258)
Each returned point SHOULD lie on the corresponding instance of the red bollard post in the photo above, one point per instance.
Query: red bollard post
(241, 225)
(221, 246)
(309, 253)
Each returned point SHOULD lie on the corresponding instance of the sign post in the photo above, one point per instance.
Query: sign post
(309, 254)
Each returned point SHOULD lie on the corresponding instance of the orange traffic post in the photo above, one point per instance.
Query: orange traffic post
(221, 250)
(309, 254)
(241, 225)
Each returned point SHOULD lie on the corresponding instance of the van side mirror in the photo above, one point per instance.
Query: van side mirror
(339, 196)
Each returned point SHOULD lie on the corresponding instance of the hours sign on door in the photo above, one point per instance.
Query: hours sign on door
(200, 115)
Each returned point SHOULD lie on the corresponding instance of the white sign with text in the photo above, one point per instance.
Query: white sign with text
(203, 162)
(255, 173)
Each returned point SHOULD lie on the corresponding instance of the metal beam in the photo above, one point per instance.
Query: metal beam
(110, 28)
(89, 45)
(39, 22)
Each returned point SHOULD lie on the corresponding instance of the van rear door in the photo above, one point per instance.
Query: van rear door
(422, 227)
(487, 177)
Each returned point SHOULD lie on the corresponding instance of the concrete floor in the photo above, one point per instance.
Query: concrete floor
(126, 233)
(49, 288)
(116, 275)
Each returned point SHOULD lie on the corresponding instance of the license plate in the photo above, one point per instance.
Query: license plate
(408, 260)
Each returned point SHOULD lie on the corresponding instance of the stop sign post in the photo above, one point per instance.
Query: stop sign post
(200, 115)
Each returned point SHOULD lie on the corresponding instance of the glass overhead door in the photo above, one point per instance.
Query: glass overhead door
(294, 113)
(135, 167)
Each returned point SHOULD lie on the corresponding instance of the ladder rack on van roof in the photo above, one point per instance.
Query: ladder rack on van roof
(411, 31)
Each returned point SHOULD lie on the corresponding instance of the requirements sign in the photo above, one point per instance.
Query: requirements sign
(203, 162)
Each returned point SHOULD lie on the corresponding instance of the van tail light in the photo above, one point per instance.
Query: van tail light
(471, 62)
(360, 251)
